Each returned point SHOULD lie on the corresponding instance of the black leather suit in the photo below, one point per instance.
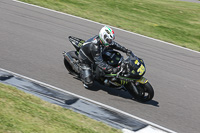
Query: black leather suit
(91, 54)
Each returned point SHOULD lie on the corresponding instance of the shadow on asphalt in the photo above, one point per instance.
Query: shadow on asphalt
(119, 93)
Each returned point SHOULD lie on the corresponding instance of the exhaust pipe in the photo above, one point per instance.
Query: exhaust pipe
(73, 64)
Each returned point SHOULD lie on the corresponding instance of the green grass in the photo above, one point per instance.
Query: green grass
(173, 21)
(24, 113)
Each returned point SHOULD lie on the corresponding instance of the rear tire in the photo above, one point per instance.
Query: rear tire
(146, 92)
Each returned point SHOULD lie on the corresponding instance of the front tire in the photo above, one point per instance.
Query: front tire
(146, 92)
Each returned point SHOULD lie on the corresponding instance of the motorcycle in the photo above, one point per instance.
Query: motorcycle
(129, 77)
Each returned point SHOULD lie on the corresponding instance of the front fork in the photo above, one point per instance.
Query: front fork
(137, 82)
(135, 88)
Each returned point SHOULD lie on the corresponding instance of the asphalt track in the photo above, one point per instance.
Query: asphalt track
(32, 41)
(194, 1)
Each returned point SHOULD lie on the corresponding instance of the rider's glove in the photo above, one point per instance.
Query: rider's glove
(110, 69)
(128, 52)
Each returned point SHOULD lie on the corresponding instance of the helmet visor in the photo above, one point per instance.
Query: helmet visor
(109, 40)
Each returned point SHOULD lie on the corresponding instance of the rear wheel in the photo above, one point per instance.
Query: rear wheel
(146, 92)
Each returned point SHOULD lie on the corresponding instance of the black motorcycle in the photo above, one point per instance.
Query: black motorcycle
(130, 77)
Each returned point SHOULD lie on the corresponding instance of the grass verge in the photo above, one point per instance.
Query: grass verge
(22, 112)
(173, 21)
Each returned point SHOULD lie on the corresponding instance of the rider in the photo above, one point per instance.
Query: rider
(91, 54)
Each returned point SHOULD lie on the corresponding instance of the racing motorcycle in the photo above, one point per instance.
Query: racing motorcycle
(129, 77)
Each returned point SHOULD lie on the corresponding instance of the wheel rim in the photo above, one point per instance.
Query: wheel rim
(143, 93)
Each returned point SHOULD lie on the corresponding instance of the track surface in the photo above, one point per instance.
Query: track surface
(194, 1)
(32, 41)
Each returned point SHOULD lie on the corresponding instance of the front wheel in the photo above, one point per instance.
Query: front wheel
(145, 92)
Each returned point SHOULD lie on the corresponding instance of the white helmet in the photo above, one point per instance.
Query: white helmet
(106, 35)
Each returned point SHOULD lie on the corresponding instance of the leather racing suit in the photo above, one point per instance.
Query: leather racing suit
(91, 54)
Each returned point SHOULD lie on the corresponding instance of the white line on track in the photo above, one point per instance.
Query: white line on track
(92, 101)
(104, 24)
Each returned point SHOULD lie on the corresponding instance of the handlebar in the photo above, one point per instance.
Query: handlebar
(130, 54)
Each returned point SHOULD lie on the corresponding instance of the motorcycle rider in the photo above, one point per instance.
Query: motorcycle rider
(91, 54)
